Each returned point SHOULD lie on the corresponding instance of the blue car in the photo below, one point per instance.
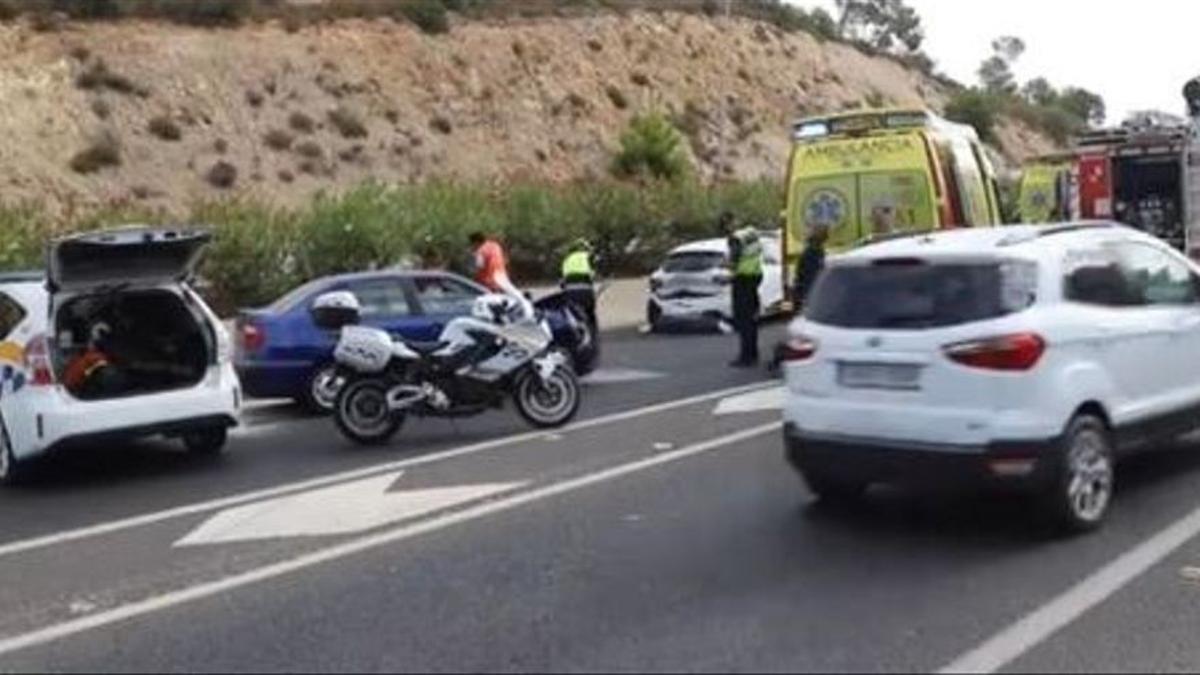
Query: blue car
(281, 353)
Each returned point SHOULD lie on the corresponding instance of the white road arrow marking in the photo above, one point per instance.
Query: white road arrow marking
(763, 400)
(621, 376)
(339, 510)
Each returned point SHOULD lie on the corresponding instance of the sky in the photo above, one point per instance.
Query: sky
(1136, 54)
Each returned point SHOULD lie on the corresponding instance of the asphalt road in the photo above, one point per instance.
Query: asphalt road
(655, 534)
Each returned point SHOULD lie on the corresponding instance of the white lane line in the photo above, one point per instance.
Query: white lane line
(763, 400)
(361, 545)
(235, 500)
(621, 376)
(1021, 637)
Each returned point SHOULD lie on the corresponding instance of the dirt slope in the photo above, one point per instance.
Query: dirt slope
(542, 99)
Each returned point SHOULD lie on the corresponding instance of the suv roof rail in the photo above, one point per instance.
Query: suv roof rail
(22, 277)
(893, 236)
(1075, 227)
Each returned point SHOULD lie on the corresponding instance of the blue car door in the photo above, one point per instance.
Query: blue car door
(441, 298)
(386, 305)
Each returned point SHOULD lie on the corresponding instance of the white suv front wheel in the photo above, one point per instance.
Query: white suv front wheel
(1082, 492)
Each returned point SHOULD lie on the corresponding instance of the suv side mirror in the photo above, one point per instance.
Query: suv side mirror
(336, 310)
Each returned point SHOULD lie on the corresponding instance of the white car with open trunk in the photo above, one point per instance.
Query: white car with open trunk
(111, 342)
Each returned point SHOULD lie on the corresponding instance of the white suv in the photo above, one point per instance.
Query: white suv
(111, 342)
(1026, 356)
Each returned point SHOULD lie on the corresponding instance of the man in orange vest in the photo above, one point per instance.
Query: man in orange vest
(491, 265)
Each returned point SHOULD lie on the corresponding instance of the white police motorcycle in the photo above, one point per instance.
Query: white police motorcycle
(501, 350)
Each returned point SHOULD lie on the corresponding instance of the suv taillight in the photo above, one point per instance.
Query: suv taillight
(253, 337)
(37, 362)
(798, 349)
(1010, 353)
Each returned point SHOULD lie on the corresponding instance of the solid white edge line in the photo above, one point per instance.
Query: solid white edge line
(1030, 631)
(354, 547)
(323, 481)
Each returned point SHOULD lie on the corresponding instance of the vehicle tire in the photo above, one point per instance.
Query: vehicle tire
(830, 490)
(585, 356)
(12, 470)
(362, 413)
(550, 404)
(206, 442)
(318, 398)
(653, 317)
(1079, 497)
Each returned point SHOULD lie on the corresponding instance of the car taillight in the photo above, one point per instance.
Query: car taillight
(37, 362)
(253, 337)
(1011, 353)
(798, 349)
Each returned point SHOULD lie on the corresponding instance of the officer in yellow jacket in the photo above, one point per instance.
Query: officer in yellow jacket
(579, 279)
(745, 260)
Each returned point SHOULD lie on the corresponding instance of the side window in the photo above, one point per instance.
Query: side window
(11, 315)
(1156, 277)
(444, 295)
(1095, 277)
(381, 297)
(1128, 275)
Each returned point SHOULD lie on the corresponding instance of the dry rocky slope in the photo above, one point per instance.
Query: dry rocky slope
(285, 114)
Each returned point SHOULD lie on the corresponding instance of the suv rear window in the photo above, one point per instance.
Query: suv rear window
(693, 262)
(913, 295)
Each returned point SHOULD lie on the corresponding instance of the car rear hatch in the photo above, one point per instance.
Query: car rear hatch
(936, 333)
(133, 257)
(693, 274)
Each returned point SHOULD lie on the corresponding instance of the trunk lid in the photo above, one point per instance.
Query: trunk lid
(140, 257)
(882, 329)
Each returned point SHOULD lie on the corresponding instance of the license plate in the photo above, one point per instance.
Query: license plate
(897, 377)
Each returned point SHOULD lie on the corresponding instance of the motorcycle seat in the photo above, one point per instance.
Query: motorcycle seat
(426, 348)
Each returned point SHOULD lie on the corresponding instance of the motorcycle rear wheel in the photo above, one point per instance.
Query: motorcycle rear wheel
(548, 404)
(362, 413)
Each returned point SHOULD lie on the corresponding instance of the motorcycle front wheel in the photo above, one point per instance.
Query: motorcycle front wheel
(362, 413)
(550, 403)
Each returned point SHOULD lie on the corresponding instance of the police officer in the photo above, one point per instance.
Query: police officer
(579, 279)
(745, 258)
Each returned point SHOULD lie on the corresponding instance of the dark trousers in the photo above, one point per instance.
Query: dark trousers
(745, 315)
(585, 299)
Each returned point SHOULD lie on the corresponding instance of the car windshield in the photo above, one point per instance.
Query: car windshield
(907, 294)
(693, 261)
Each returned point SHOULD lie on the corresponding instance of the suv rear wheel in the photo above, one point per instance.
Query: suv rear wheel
(1080, 496)
(206, 442)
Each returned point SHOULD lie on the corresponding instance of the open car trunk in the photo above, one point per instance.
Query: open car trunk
(1149, 195)
(126, 343)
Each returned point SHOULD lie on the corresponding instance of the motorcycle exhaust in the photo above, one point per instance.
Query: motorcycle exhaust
(405, 397)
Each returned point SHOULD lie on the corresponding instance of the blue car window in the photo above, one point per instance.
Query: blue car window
(444, 295)
(382, 297)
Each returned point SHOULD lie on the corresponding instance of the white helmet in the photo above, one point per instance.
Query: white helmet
(497, 308)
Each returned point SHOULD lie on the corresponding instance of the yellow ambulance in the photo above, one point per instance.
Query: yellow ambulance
(875, 173)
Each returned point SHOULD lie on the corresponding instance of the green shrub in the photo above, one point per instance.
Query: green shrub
(348, 233)
(978, 109)
(651, 147)
(301, 123)
(165, 128)
(278, 140)
(252, 259)
(428, 15)
(347, 122)
(103, 152)
(205, 12)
